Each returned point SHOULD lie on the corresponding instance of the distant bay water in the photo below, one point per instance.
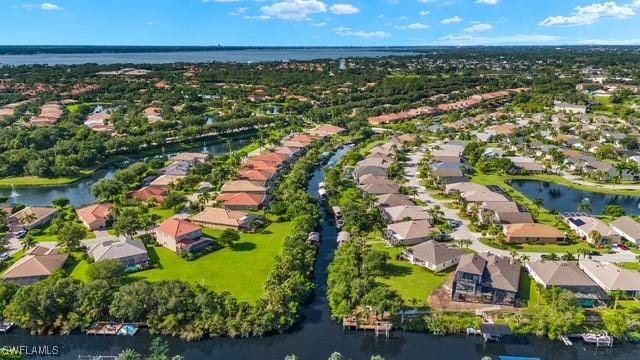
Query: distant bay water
(246, 55)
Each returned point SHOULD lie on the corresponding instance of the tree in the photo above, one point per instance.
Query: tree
(112, 270)
(60, 202)
(108, 190)
(129, 222)
(595, 237)
(336, 356)
(70, 234)
(585, 206)
(229, 237)
(159, 350)
(525, 258)
(129, 354)
(4, 243)
(28, 242)
(28, 218)
(614, 211)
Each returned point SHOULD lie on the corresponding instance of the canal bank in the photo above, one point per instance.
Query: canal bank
(318, 336)
(79, 192)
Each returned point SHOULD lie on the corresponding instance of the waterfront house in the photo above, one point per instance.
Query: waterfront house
(148, 193)
(409, 232)
(260, 165)
(486, 278)
(530, 233)
(566, 275)
(433, 255)
(244, 186)
(591, 229)
(130, 252)
(627, 228)
(326, 130)
(525, 165)
(274, 159)
(503, 212)
(39, 263)
(177, 168)
(180, 236)
(611, 277)
(404, 213)
(263, 176)
(217, 218)
(192, 158)
(291, 152)
(379, 188)
(242, 201)
(95, 216)
(31, 217)
(166, 180)
(390, 200)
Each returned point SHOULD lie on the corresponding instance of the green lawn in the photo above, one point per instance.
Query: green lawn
(630, 265)
(27, 181)
(45, 234)
(242, 271)
(410, 281)
(562, 181)
(528, 290)
(163, 213)
(556, 249)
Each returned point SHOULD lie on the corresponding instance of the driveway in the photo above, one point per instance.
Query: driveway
(463, 231)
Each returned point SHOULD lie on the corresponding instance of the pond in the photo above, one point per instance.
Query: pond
(318, 335)
(564, 199)
(79, 192)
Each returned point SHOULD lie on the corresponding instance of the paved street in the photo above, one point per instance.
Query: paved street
(463, 231)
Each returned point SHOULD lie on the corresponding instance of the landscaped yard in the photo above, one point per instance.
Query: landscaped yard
(410, 281)
(242, 271)
(528, 290)
(536, 248)
(631, 265)
(45, 234)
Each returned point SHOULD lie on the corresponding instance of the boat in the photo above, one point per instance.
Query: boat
(322, 193)
(128, 330)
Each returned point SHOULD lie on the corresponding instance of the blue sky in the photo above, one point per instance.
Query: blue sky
(319, 22)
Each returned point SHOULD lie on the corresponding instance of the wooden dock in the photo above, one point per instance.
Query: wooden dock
(379, 327)
(602, 339)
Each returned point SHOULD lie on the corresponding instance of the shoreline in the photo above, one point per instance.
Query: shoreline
(559, 180)
(8, 183)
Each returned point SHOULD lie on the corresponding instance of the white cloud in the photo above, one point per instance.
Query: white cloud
(427, 12)
(293, 10)
(43, 6)
(239, 11)
(345, 31)
(343, 9)
(517, 39)
(414, 26)
(488, 2)
(320, 24)
(478, 28)
(220, 1)
(589, 14)
(451, 20)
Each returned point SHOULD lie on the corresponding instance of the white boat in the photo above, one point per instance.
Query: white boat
(322, 192)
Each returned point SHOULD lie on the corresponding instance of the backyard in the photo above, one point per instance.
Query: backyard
(410, 281)
(242, 271)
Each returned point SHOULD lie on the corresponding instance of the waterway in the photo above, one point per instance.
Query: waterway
(79, 192)
(230, 55)
(318, 335)
(565, 199)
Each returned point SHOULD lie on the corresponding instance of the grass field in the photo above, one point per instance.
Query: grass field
(410, 281)
(27, 181)
(555, 249)
(528, 290)
(631, 265)
(241, 271)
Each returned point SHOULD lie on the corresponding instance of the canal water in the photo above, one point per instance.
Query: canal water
(79, 192)
(565, 199)
(318, 335)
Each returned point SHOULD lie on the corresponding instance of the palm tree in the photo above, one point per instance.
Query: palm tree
(500, 238)
(28, 242)
(585, 206)
(513, 254)
(595, 237)
(524, 258)
(203, 199)
(28, 218)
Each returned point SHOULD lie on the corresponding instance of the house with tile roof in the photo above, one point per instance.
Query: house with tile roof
(95, 216)
(217, 218)
(180, 235)
(433, 255)
(37, 265)
(243, 201)
(409, 232)
(531, 233)
(566, 275)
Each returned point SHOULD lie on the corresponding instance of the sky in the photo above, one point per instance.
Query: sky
(320, 22)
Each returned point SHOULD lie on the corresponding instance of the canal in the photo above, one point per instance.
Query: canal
(318, 335)
(79, 192)
(565, 199)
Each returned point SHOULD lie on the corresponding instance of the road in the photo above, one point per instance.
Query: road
(463, 232)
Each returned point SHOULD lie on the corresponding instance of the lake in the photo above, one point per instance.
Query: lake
(565, 199)
(318, 335)
(229, 55)
(79, 192)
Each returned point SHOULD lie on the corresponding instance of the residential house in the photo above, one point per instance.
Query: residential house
(503, 212)
(95, 216)
(569, 108)
(380, 188)
(486, 278)
(530, 233)
(244, 186)
(263, 176)
(525, 165)
(130, 252)
(180, 236)
(166, 180)
(390, 200)
(590, 228)
(151, 193)
(409, 232)
(566, 275)
(627, 228)
(611, 277)
(31, 217)
(447, 172)
(433, 255)
(242, 201)
(39, 263)
(217, 218)
(192, 158)
(403, 213)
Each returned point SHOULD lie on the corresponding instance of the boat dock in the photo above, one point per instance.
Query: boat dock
(602, 339)
(5, 327)
(112, 329)
(378, 327)
(565, 340)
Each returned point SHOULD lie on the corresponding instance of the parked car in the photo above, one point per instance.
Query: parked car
(623, 247)
(20, 234)
(4, 256)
